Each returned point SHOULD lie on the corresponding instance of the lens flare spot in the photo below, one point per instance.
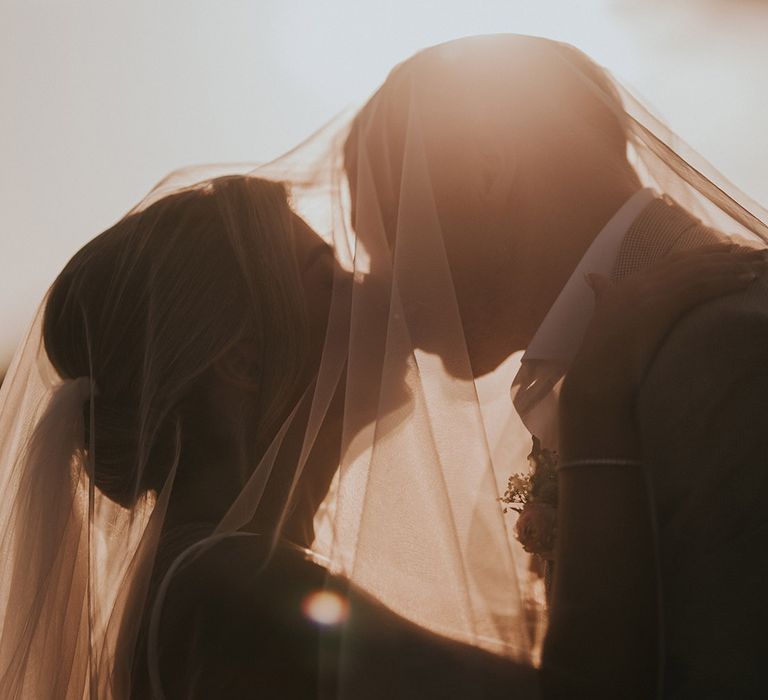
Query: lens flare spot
(325, 608)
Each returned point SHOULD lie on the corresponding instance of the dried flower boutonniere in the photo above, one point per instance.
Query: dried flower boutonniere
(534, 497)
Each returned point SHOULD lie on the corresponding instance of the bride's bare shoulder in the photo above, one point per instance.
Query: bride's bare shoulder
(235, 621)
(229, 623)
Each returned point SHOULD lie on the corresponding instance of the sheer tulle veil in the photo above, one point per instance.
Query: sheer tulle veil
(411, 512)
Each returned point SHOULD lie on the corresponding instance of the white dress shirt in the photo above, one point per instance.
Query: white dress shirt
(535, 388)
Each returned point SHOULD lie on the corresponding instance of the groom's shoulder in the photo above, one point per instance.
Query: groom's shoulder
(704, 427)
(717, 338)
(711, 370)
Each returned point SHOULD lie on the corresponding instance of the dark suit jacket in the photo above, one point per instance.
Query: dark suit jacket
(703, 414)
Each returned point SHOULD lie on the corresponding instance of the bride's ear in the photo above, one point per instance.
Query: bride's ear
(239, 366)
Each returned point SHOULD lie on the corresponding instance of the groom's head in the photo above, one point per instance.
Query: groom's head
(517, 147)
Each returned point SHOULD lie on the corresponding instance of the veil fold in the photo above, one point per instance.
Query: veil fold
(410, 512)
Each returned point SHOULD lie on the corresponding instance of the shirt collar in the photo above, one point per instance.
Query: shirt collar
(559, 336)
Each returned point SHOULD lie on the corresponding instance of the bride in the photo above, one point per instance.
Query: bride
(240, 456)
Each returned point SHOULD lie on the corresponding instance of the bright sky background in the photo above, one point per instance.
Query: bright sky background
(101, 98)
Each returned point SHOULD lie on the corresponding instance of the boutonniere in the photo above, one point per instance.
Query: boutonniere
(533, 497)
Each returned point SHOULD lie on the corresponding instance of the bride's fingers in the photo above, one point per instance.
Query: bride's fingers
(702, 263)
(737, 266)
(719, 283)
(633, 316)
(694, 273)
(671, 294)
(681, 270)
(678, 282)
(733, 253)
(690, 291)
(718, 252)
(716, 249)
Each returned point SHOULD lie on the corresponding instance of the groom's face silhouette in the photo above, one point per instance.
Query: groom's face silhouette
(526, 154)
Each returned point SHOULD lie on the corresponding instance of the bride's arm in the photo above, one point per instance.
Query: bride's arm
(604, 632)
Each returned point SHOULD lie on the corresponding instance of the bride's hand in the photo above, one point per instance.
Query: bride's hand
(631, 319)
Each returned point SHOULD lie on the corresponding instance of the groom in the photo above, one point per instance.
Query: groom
(525, 149)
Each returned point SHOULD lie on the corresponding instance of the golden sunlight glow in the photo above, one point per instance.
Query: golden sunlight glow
(104, 99)
(325, 608)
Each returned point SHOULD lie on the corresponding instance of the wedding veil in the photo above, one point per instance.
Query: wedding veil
(411, 514)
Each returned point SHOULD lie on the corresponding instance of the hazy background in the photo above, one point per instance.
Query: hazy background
(100, 98)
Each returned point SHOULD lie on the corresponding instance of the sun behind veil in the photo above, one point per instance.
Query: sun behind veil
(444, 152)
